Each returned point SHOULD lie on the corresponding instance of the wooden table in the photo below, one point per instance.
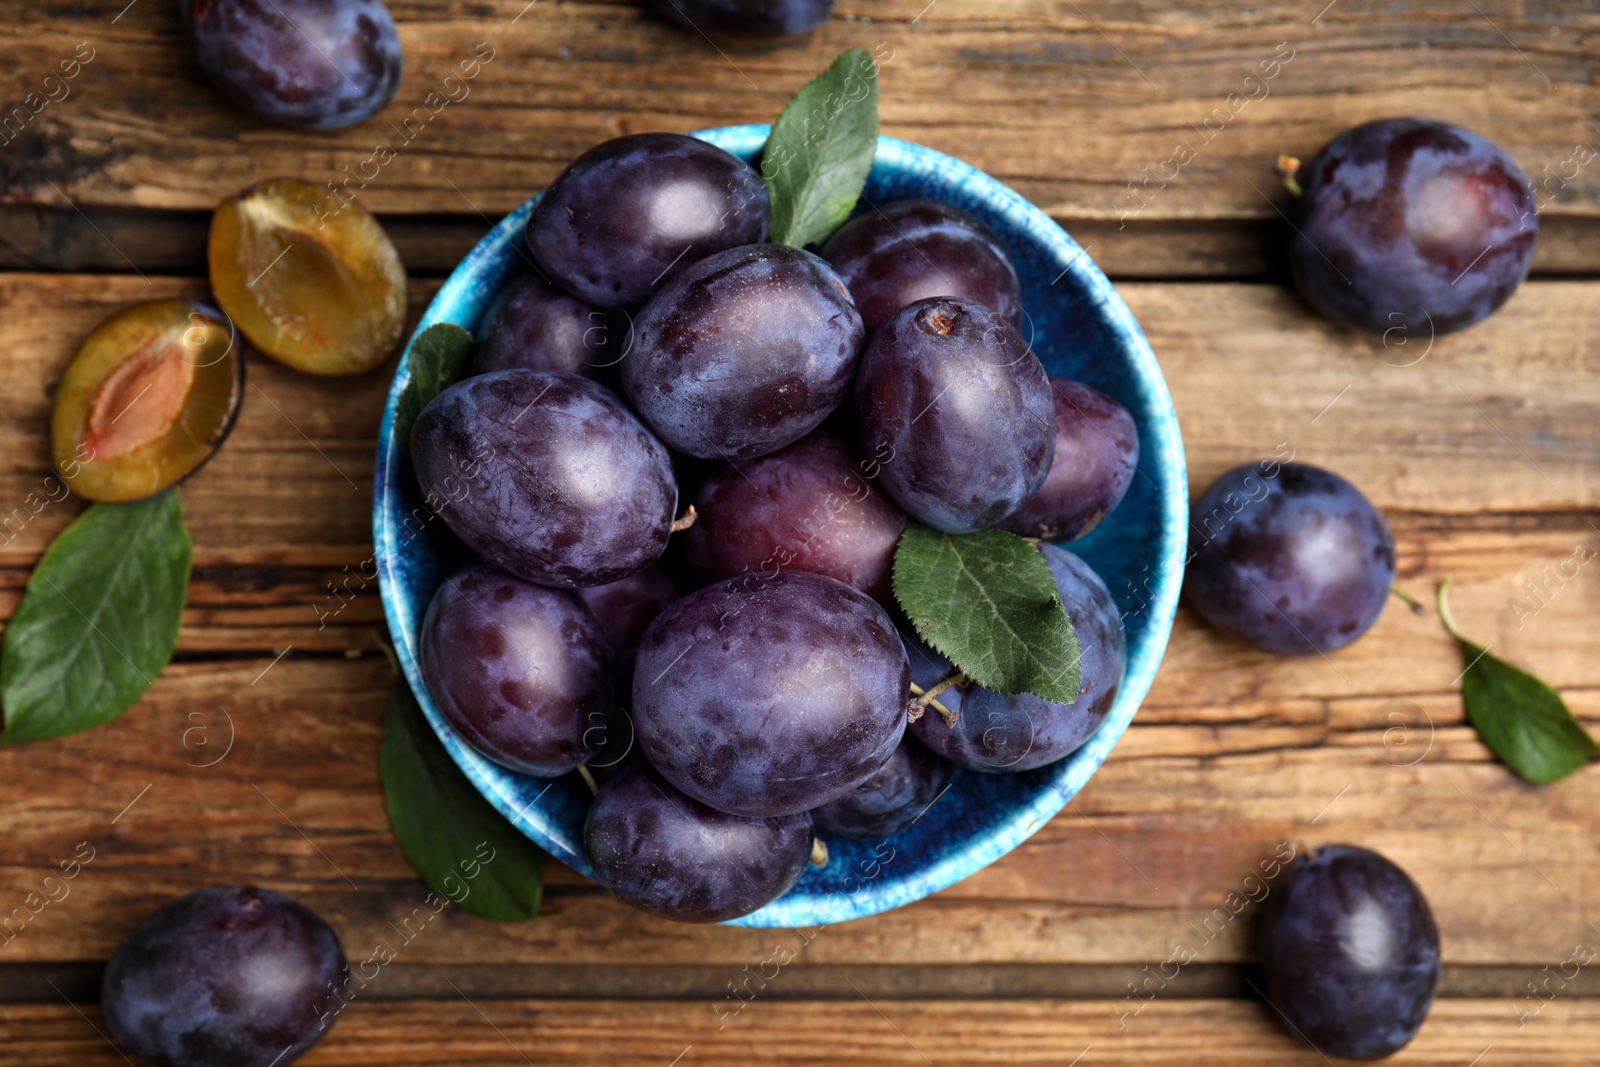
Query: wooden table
(1482, 453)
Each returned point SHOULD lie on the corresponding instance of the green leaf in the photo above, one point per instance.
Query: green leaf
(987, 602)
(99, 619)
(438, 359)
(1522, 720)
(816, 161)
(455, 841)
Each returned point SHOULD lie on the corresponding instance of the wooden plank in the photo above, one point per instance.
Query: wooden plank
(1502, 417)
(632, 1034)
(38, 237)
(1081, 107)
(1234, 753)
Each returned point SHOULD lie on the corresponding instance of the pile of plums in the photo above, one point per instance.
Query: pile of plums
(807, 405)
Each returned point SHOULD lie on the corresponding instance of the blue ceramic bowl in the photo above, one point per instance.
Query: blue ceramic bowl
(1081, 329)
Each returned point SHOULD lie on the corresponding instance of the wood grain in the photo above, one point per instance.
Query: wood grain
(1233, 754)
(631, 1034)
(1081, 107)
(1501, 418)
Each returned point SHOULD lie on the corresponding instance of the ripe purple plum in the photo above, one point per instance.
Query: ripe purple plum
(1410, 228)
(626, 607)
(536, 326)
(230, 976)
(314, 64)
(995, 733)
(631, 212)
(1289, 558)
(959, 409)
(546, 475)
(743, 353)
(809, 507)
(1350, 953)
(519, 670)
(772, 694)
(672, 856)
(746, 21)
(892, 799)
(1097, 450)
(916, 249)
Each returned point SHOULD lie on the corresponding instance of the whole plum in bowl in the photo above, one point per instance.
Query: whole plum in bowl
(1079, 329)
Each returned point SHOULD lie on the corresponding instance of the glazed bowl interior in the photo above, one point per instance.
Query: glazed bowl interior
(1081, 329)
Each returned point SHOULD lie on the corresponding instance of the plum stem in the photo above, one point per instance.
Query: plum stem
(687, 521)
(1445, 617)
(588, 779)
(928, 698)
(819, 852)
(1289, 172)
(1416, 607)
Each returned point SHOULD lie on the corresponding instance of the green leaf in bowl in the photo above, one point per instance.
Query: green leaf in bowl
(438, 360)
(817, 158)
(988, 603)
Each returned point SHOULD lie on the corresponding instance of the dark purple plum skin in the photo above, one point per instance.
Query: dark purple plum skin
(770, 695)
(1350, 952)
(519, 670)
(1410, 228)
(1296, 563)
(546, 475)
(1097, 451)
(745, 21)
(312, 64)
(536, 326)
(892, 799)
(626, 607)
(230, 976)
(743, 353)
(999, 734)
(672, 856)
(631, 212)
(809, 507)
(916, 249)
(958, 409)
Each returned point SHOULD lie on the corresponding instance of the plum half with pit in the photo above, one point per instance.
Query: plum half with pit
(147, 399)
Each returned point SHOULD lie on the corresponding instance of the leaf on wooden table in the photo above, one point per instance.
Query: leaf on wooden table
(1521, 718)
(453, 838)
(98, 621)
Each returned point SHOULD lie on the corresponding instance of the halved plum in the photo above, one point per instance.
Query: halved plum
(310, 278)
(148, 398)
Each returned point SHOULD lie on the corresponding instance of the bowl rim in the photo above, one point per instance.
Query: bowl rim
(980, 850)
